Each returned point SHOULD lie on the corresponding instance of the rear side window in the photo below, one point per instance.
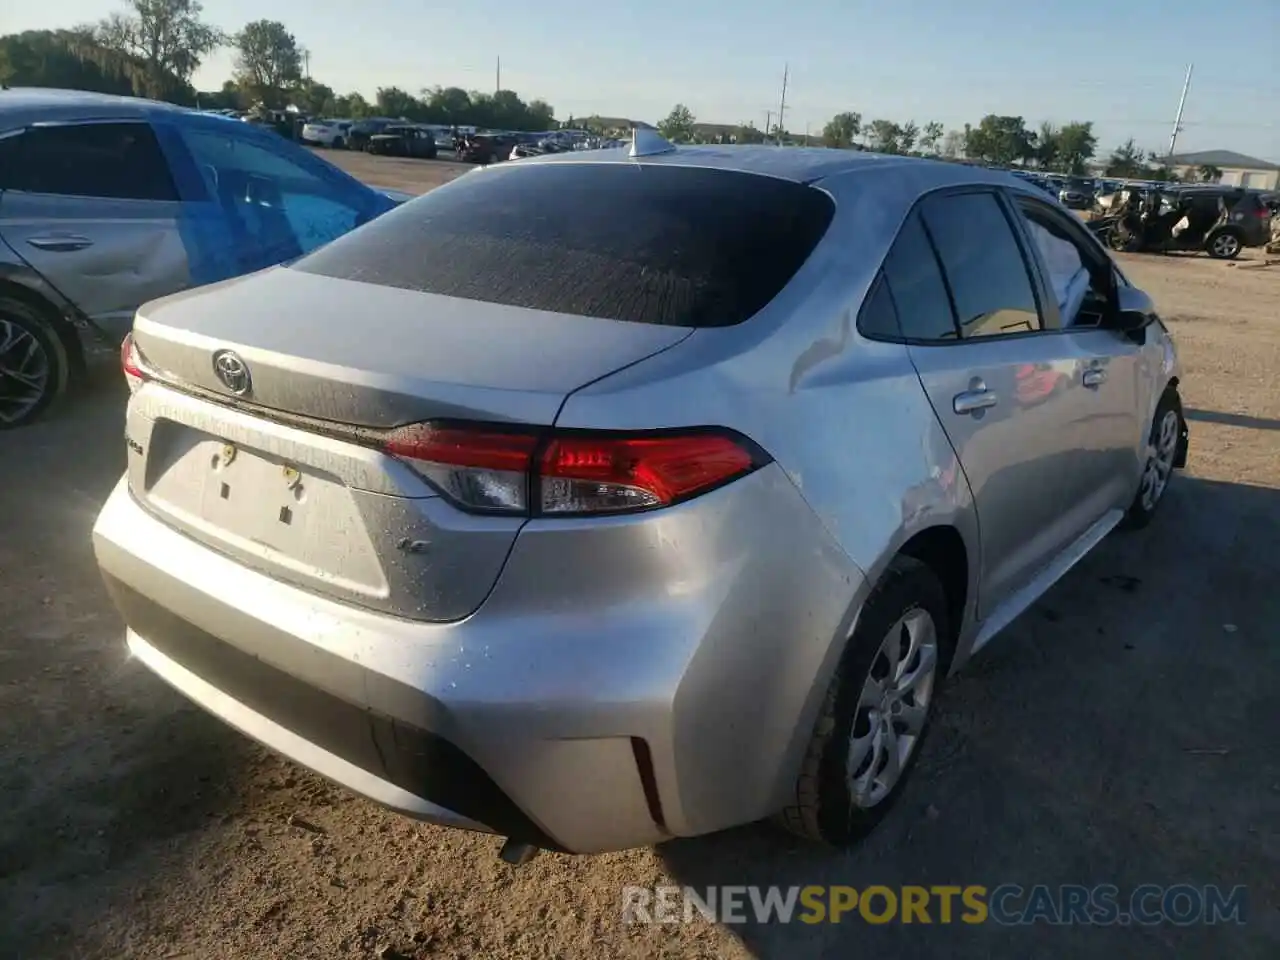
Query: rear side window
(117, 161)
(919, 293)
(678, 246)
(983, 264)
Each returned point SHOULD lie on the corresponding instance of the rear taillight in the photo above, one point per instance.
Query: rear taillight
(133, 363)
(502, 470)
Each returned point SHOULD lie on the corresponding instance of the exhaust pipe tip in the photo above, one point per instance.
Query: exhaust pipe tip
(517, 853)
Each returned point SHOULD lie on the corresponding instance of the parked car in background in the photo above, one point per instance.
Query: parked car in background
(1076, 193)
(485, 147)
(403, 140)
(358, 133)
(803, 450)
(108, 202)
(326, 133)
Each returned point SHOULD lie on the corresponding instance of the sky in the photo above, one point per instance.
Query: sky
(1121, 65)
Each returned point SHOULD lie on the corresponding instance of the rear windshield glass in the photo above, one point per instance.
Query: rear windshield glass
(679, 246)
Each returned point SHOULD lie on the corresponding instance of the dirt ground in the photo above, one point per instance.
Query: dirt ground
(398, 173)
(1123, 731)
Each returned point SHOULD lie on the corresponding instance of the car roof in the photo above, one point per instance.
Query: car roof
(803, 164)
(20, 106)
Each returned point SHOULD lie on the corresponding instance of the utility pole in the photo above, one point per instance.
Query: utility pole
(1182, 102)
(782, 105)
(768, 117)
(497, 82)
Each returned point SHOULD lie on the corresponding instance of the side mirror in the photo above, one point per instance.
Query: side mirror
(1133, 310)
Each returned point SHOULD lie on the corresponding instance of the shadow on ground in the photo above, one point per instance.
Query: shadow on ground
(97, 766)
(1122, 731)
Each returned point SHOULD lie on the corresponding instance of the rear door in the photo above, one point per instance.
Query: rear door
(93, 208)
(1005, 386)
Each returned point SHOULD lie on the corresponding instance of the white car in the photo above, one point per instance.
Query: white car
(327, 133)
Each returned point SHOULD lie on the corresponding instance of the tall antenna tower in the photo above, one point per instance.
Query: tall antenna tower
(1182, 102)
(782, 104)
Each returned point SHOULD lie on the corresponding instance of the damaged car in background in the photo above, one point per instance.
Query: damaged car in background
(108, 202)
(1220, 221)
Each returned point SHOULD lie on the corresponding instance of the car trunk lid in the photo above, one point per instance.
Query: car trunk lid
(377, 356)
(288, 476)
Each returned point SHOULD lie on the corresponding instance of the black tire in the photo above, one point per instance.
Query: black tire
(1223, 244)
(54, 354)
(338, 143)
(1143, 509)
(824, 809)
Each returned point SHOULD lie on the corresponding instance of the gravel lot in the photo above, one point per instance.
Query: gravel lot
(1123, 731)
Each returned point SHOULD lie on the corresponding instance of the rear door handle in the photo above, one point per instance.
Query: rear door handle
(974, 400)
(60, 243)
(1094, 376)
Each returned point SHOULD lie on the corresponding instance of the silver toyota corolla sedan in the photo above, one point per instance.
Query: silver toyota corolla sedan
(609, 497)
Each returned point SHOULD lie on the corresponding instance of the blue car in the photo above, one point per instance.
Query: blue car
(109, 202)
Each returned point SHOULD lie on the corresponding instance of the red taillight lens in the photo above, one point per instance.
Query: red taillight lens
(586, 474)
(132, 363)
(492, 469)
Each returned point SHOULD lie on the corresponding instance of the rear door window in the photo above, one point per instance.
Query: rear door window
(984, 265)
(678, 246)
(115, 161)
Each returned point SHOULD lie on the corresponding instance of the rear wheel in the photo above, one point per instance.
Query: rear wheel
(338, 143)
(877, 709)
(33, 364)
(1224, 245)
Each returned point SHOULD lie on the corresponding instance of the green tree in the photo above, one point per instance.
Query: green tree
(1208, 173)
(168, 36)
(908, 135)
(1000, 140)
(748, 133)
(1126, 161)
(884, 135)
(315, 98)
(268, 61)
(1076, 146)
(842, 129)
(1048, 146)
(68, 59)
(351, 106)
(677, 126)
(451, 105)
(931, 137)
(394, 102)
(539, 115)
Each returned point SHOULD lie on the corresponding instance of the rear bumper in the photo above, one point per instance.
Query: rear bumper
(603, 697)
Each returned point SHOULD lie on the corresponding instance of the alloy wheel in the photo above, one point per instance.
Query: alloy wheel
(1160, 456)
(892, 708)
(25, 371)
(1226, 245)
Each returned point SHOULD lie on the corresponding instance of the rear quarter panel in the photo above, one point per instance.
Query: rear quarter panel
(845, 417)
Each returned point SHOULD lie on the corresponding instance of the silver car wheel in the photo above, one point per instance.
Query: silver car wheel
(1160, 456)
(25, 371)
(1226, 245)
(892, 708)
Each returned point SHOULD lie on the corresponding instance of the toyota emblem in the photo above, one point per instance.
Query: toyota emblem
(232, 371)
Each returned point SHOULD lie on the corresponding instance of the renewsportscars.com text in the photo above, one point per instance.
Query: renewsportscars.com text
(1007, 904)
